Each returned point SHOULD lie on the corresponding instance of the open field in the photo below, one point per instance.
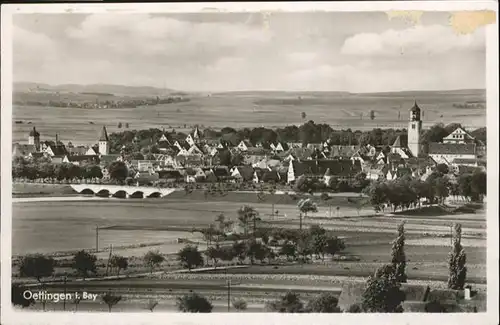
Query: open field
(135, 226)
(252, 110)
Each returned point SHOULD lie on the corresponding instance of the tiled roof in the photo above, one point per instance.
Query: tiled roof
(59, 150)
(24, 149)
(104, 135)
(319, 167)
(169, 174)
(221, 171)
(401, 141)
(464, 161)
(246, 172)
(82, 158)
(343, 151)
(270, 175)
(80, 150)
(452, 148)
(108, 158)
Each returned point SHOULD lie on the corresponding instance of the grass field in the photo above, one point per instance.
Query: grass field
(252, 110)
(156, 224)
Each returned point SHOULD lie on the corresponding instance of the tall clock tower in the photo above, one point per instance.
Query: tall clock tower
(414, 129)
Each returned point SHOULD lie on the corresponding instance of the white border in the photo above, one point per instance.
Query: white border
(10, 316)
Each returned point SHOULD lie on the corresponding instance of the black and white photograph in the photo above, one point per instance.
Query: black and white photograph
(249, 161)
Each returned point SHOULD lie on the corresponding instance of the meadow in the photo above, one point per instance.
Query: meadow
(252, 109)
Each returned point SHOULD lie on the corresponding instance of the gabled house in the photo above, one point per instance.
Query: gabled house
(194, 150)
(459, 136)
(447, 152)
(189, 140)
(222, 173)
(393, 174)
(360, 157)
(57, 159)
(143, 177)
(79, 160)
(266, 163)
(338, 151)
(245, 145)
(164, 139)
(23, 150)
(92, 151)
(77, 151)
(242, 173)
(377, 173)
(56, 150)
(400, 147)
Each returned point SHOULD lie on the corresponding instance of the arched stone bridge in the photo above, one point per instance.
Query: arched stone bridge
(121, 190)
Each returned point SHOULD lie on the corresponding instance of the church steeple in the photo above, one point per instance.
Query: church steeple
(415, 112)
(104, 142)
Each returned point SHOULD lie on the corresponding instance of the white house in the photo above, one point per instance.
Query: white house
(244, 145)
(458, 136)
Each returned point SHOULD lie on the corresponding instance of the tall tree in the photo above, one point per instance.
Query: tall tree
(153, 259)
(111, 300)
(190, 257)
(84, 263)
(305, 206)
(247, 214)
(383, 292)
(456, 263)
(398, 255)
(118, 171)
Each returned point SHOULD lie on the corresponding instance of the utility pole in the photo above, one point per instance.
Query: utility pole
(64, 300)
(96, 238)
(228, 295)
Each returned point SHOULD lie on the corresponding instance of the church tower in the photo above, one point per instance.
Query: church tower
(414, 129)
(104, 142)
(34, 139)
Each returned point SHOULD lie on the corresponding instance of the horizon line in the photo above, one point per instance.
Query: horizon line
(250, 90)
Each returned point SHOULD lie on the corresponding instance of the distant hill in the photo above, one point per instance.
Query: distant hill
(278, 93)
(94, 88)
(423, 93)
(305, 94)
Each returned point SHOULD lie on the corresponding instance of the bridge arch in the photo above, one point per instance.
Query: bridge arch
(120, 194)
(87, 191)
(103, 193)
(137, 195)
(154, 195)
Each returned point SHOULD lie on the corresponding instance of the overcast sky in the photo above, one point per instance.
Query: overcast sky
(356, 52)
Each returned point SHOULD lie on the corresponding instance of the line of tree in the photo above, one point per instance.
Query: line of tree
(44, 169)
(406, 192)
(124, 103)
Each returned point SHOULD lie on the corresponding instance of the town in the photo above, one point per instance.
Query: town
(166, 159)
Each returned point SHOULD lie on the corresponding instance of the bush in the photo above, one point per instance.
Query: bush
(194, 303)
(324, 303)
(239, 304)
(36, 266)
